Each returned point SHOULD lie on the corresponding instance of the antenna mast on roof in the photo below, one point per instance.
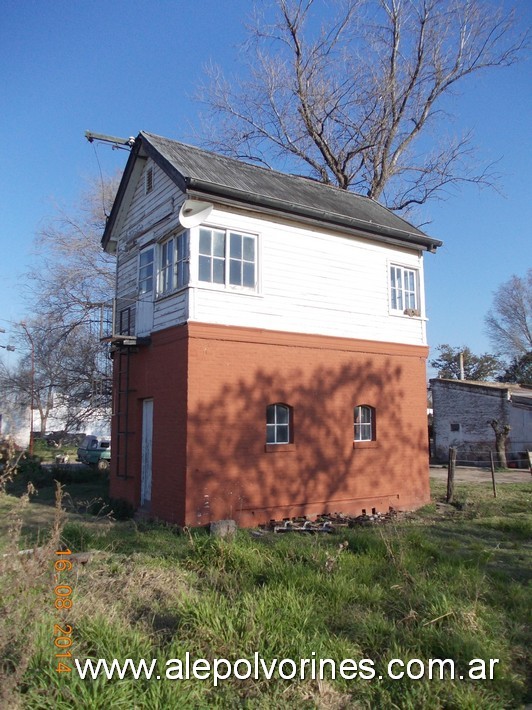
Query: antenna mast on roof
(118, 143)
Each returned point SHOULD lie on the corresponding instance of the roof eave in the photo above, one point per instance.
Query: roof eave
(234, 197)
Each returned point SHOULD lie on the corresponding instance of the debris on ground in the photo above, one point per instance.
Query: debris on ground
(329, 523)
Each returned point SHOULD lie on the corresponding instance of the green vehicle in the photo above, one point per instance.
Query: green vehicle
(95, 451)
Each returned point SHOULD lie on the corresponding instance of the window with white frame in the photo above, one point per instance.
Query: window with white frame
(278, 424)
(364, 423)
(212, 256)
(242, 260)
(146, 264)
(166, 267)
(181, 270)
(227, 258)
(173, 264)
(404, 289)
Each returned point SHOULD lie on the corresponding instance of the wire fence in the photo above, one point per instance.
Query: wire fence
(502, 460)
(483, 458)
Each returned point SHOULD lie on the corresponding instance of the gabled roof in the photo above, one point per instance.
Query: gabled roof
(203, 174)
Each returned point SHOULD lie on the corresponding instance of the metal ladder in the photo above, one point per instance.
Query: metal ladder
(121, 414)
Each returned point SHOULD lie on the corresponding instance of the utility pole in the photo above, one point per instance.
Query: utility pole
(30, 338)
(461, 360)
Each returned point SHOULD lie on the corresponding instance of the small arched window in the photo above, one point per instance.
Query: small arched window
(278, 424)
(364, 423)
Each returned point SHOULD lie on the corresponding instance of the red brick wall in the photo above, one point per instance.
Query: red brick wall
(234, 373)
(216, 457)
(157, 371)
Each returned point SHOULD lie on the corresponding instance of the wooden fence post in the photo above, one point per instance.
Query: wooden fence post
(492, 457)
(450, 473)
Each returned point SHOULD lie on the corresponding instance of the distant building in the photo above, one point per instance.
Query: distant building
(463, 410)
(15, 423)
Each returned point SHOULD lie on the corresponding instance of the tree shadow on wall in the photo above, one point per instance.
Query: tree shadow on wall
(230, 472)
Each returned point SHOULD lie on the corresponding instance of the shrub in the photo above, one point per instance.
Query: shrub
(31, 471)
(121, 509)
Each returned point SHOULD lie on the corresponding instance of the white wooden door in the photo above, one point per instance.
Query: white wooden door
(147, 439)
(144, 318)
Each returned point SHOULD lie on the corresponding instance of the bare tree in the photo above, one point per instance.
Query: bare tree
(502, 431)
(349, 99)
(509, 322)
(62, 371)
(30, 382)
(73, 277)
(73, 274)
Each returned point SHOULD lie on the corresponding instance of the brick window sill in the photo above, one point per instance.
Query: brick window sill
(279, 448)
(365, 445)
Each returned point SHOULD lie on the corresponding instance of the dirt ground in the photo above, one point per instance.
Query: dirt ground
(465, 474)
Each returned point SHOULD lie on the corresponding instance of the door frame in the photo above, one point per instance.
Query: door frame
(146, 472)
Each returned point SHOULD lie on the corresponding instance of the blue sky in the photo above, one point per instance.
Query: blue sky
(123, 66)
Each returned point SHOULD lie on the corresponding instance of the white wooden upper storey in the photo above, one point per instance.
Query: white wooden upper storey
(242, 267)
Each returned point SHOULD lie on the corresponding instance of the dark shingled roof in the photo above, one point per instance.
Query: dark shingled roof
(201, 173)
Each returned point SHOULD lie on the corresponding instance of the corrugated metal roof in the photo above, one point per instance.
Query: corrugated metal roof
(294, 195)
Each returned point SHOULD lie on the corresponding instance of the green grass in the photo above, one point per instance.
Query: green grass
(447, 582)
(84, 490)
(48, 453)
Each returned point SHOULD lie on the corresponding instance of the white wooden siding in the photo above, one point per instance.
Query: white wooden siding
(170, 310)
(149, 219)
(310, 281)
(313, 282)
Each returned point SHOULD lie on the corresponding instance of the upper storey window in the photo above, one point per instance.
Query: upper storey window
(404, 289)
(212, 256)
(146, 271)
(173, 264)
(227, 258)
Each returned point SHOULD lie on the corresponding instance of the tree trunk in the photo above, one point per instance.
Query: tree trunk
(501, 436)
(500, 443)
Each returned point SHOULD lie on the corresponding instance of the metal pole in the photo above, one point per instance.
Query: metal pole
(32, 395)
(493, 474)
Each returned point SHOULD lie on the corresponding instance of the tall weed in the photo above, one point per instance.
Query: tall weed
(26, 598)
